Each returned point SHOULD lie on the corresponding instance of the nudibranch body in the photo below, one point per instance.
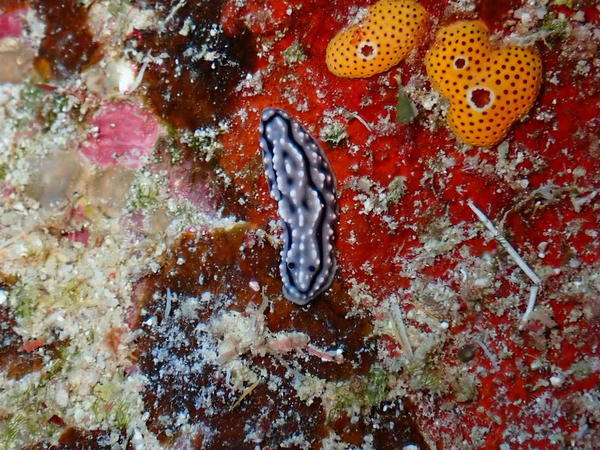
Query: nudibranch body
(302, 182)
(488, 87)
(390, 30)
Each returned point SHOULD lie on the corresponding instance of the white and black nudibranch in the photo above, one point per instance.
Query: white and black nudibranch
(301, 180)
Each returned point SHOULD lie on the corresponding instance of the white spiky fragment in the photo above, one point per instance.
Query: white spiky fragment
(536, 280)
(302, 182)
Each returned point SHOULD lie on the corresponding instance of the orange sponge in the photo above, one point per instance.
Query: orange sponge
(488, 88)
(379, 42)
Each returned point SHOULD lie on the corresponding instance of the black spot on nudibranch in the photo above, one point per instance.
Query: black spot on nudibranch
(286, 144)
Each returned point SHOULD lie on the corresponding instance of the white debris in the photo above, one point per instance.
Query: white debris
(401, 329)
(537, 282)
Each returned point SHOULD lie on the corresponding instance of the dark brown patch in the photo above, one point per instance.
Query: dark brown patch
(390, 424)
(174, 352)
(189, 89)
(68, 45)
(75, 439)
(7, 6)
(467, 352)
(14, 362)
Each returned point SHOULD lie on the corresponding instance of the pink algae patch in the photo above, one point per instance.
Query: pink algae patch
(11, 24)
(82, 236)
(122, 134)
(184, 184)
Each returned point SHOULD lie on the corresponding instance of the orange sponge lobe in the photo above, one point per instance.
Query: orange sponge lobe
(380, 41)
(488, 87)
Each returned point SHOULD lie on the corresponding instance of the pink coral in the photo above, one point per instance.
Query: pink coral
(11, 24)
(122, 135)
(184, 183)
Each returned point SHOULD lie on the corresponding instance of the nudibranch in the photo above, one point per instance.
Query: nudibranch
(488, 87)
(302, 182)
(389, 31)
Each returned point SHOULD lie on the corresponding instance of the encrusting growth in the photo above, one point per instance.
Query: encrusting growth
(488, 88)
(381, 40)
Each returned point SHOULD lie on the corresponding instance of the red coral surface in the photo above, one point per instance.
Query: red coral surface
(518, 401)
(407, 240)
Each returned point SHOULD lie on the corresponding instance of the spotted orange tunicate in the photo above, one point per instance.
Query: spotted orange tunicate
(380, 41)
(488, 87)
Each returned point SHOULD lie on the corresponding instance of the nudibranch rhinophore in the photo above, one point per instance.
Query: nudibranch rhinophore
(302, 182)
(488, 87)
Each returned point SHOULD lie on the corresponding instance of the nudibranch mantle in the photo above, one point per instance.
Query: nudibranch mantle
(302, 182)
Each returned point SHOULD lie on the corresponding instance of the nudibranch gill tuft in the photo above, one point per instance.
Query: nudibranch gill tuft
(302, 182)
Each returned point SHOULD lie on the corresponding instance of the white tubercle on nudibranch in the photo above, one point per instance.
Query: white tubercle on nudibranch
(302, 182)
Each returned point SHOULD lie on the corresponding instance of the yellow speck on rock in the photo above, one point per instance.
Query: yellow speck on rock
(488, 87)
(381, 40)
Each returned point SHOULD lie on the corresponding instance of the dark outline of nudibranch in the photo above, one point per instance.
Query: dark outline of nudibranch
(302, 182)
